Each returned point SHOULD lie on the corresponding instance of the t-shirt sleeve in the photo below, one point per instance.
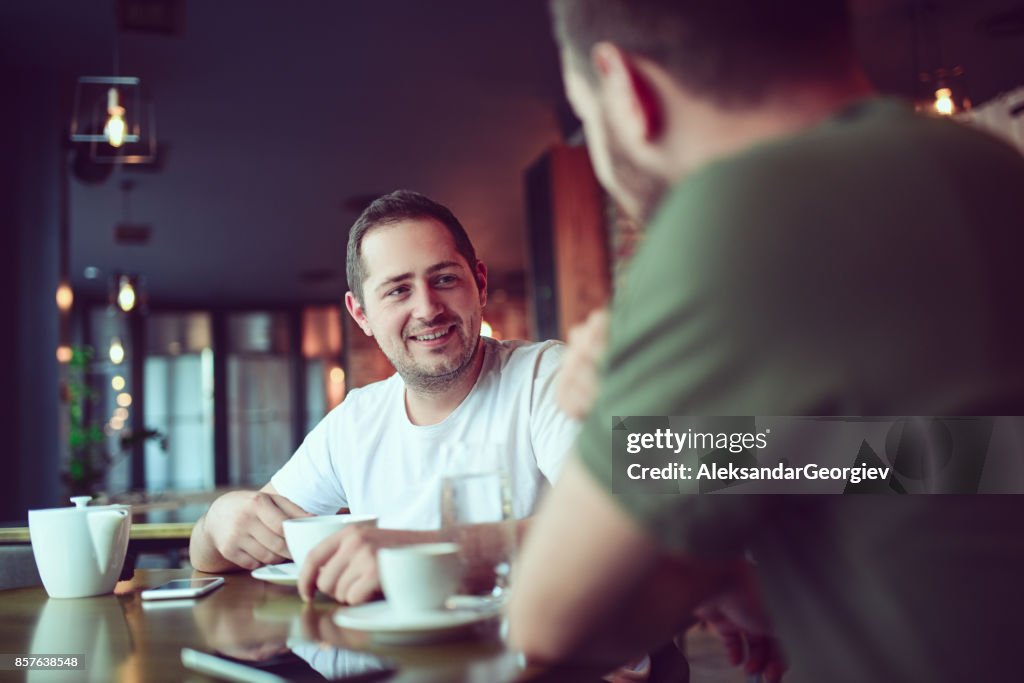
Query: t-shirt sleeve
(310, 478)
(551, 430)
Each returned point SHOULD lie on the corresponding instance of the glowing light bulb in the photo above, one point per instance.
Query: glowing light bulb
(485, 329)
(116, 351)
(337, 375)
(63, 354)
(115, 128)
(65, 297)
(125, 293)
(124, 399)
(117, 383)
(944, 102)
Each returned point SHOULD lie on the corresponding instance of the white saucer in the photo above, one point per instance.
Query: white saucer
(286, 574)
(385, 625)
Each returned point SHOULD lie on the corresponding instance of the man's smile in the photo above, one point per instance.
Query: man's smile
(437, 336)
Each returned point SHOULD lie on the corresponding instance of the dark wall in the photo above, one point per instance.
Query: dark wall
(29, 212)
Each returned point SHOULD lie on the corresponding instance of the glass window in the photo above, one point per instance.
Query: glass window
(259, 396)
(264, 412)
(108, 402)
(178, 381)
(321, 354)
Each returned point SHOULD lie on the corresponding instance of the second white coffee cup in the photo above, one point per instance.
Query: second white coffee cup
(420, 577)
(302, 534)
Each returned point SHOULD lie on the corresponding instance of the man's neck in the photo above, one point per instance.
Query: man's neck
(707, 133)
(428, 408)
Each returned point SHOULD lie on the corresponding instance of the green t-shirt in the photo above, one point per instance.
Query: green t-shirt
(868, 266)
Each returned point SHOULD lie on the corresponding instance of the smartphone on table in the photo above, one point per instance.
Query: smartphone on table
(183, 588)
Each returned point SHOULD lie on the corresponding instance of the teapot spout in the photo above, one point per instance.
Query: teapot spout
(105, 526)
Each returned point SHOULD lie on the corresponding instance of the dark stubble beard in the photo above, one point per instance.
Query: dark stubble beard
(423, 382)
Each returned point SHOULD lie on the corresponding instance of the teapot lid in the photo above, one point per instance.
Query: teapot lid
(81, 507)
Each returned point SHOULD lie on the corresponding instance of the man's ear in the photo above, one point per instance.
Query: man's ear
(480, 273)
(355, 309)
(629, 92)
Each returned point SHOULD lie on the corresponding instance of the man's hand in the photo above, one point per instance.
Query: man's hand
(344, 565)
(244, 528)
(577, 384)
(740, 621)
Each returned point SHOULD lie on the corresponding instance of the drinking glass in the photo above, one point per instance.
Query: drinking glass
(476, 513)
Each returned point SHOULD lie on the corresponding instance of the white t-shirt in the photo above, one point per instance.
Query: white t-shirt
(366, 455)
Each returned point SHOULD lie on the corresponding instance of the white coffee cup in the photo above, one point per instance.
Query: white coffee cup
(419, 577)
(302, 534)
(80, 551)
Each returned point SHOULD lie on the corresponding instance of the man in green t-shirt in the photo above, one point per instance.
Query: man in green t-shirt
(811, 250)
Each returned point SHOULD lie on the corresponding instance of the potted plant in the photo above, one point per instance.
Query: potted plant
(90, 457)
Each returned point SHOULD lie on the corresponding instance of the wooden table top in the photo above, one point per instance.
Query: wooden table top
(150, 522)
(144, 531)
(127, 639)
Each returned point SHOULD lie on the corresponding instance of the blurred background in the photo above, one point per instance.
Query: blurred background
(173, 316)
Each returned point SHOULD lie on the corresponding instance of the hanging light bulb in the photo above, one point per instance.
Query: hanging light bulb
(115, 129)
(116, 351)
(944, 104)
(125, 293)
(65, 297)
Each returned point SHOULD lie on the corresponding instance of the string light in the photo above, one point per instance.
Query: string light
(64, 354)
(125, 293)
(65, 297)
(116, 351)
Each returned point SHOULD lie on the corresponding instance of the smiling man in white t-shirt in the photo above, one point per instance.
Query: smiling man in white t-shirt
(417, 287)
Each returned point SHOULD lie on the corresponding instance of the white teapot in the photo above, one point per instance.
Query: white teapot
(80, 551)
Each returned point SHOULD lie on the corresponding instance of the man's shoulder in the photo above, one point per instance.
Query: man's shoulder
(834, 178)
(515, 366)
(868, 144)
(370, 399)
(516, 354)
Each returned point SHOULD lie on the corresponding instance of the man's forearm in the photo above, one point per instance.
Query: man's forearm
(591, 585)
(202, 552)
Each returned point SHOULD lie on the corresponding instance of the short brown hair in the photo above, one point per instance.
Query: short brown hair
(392, 208)
(733, 51)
